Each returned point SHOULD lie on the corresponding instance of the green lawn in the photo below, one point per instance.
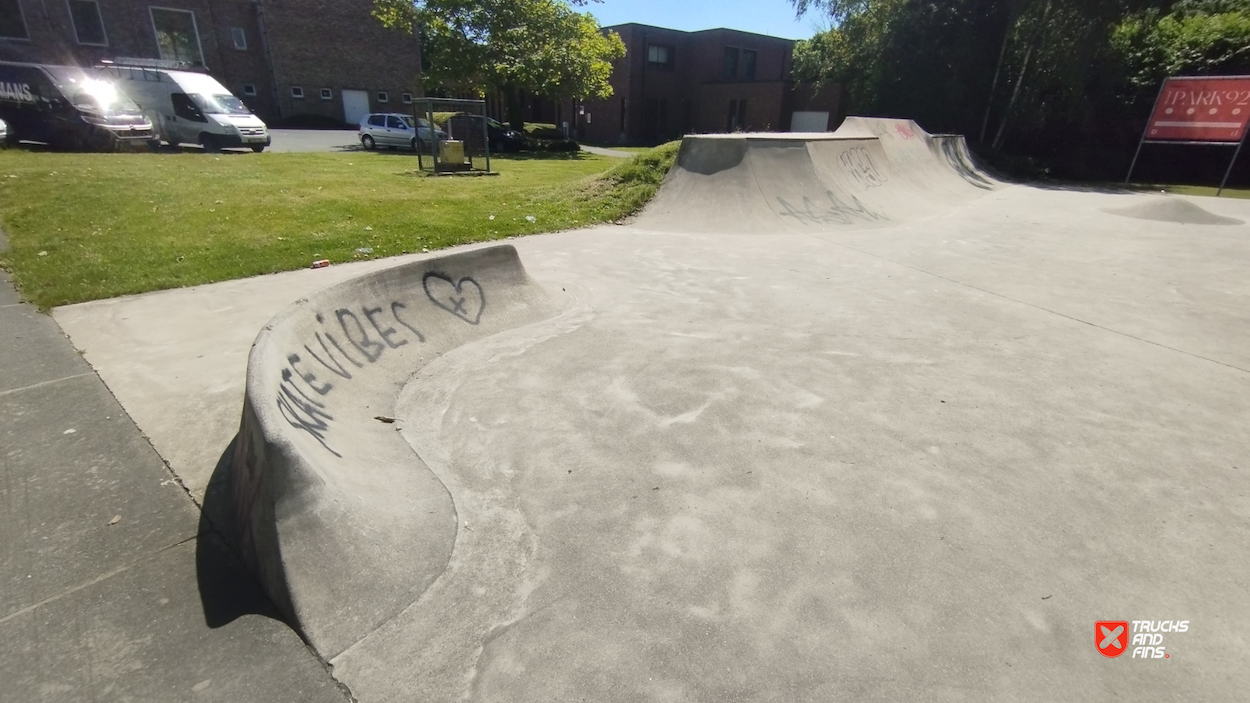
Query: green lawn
(1204, 190)
(88, 226)
(634, 149)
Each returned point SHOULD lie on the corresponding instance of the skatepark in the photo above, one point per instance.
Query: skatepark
(836, 417)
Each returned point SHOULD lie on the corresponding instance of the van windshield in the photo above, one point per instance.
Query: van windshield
(103, 98)
(220, 105)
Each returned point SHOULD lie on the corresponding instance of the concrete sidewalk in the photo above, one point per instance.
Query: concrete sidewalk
(113, 585)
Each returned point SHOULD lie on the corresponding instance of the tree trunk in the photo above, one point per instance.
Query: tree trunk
(516, 110)
(1024, 68)
(998, 68)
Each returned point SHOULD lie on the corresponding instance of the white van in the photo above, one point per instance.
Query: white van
(190, 108)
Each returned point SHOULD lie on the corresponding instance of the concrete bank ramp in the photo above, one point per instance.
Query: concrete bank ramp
(342, 522)
(872, 172)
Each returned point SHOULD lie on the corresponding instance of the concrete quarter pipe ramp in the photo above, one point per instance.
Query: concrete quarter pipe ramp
(869, 173)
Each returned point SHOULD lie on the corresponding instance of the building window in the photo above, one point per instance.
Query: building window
(327, 94)
(731, 63)
(12, 21)
(177, 38)
(88, 27)
(383, 97)
(239, 37)
(249, 90)
(297, 92)
(748, 64)
(407, 97)
(660, 57)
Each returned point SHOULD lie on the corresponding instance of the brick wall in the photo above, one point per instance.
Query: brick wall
(345, 48)
(694, 94)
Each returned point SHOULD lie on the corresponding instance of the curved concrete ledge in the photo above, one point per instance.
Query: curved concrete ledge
(343, 524)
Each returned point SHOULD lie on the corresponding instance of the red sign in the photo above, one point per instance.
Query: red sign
(1111, 637)
(1201, 110)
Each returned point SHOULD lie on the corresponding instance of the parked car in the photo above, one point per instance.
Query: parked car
(468, 129)
(4, 133)
(396, 130)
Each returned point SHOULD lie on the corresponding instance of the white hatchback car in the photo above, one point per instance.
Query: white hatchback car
(396, 130)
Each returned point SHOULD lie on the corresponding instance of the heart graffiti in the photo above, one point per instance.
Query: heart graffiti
(463, 298)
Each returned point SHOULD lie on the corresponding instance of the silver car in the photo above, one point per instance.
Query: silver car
(4, 133)
(396, 130)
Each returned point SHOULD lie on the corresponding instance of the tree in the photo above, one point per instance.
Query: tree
(541, 46)
(987, 68)
(1198, 37)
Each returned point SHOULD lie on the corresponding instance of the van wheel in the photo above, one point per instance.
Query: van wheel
(258, 148)
(209, 142)
(367, 142)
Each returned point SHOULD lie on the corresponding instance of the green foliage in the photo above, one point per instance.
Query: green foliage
(1058, 82)
(627, 187)
(1198, 37)
(542, 46)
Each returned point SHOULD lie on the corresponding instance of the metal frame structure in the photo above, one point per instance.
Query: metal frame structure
(1146, 130)
(425, 108)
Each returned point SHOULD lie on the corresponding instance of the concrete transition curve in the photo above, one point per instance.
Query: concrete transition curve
(337, 516)
(342, 522)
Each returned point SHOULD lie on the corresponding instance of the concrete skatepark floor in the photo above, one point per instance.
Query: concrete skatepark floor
(910, 459)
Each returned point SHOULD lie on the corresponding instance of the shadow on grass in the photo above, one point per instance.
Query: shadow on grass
(543, 156)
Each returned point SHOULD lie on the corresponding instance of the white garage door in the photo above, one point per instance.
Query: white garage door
(810, 122)
(355, 105)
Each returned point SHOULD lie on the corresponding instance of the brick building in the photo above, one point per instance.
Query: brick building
(672, 83)
(285, 58)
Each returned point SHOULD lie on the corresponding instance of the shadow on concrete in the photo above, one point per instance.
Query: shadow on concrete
(228, 591)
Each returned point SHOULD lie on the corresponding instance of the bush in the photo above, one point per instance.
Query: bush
(540, 130)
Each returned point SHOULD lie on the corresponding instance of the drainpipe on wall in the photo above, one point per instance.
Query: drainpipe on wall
(264, 45)
(642, 97)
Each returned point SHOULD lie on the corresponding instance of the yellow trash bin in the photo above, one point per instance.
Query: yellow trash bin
(452, 153)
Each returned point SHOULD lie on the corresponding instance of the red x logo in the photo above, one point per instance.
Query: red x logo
(1111, 637)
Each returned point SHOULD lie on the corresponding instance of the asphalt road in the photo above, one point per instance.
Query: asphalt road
(305, 140)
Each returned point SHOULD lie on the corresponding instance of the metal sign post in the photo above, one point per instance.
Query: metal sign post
(1206, 110)
(1142, 143)
(1232, 163)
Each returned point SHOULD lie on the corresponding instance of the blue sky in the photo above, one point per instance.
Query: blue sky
(775, 17)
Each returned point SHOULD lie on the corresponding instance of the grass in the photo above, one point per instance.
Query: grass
(89, 226)
(634, 149)
(1197, 190)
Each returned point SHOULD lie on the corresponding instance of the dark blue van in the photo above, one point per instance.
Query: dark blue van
(67, 108)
